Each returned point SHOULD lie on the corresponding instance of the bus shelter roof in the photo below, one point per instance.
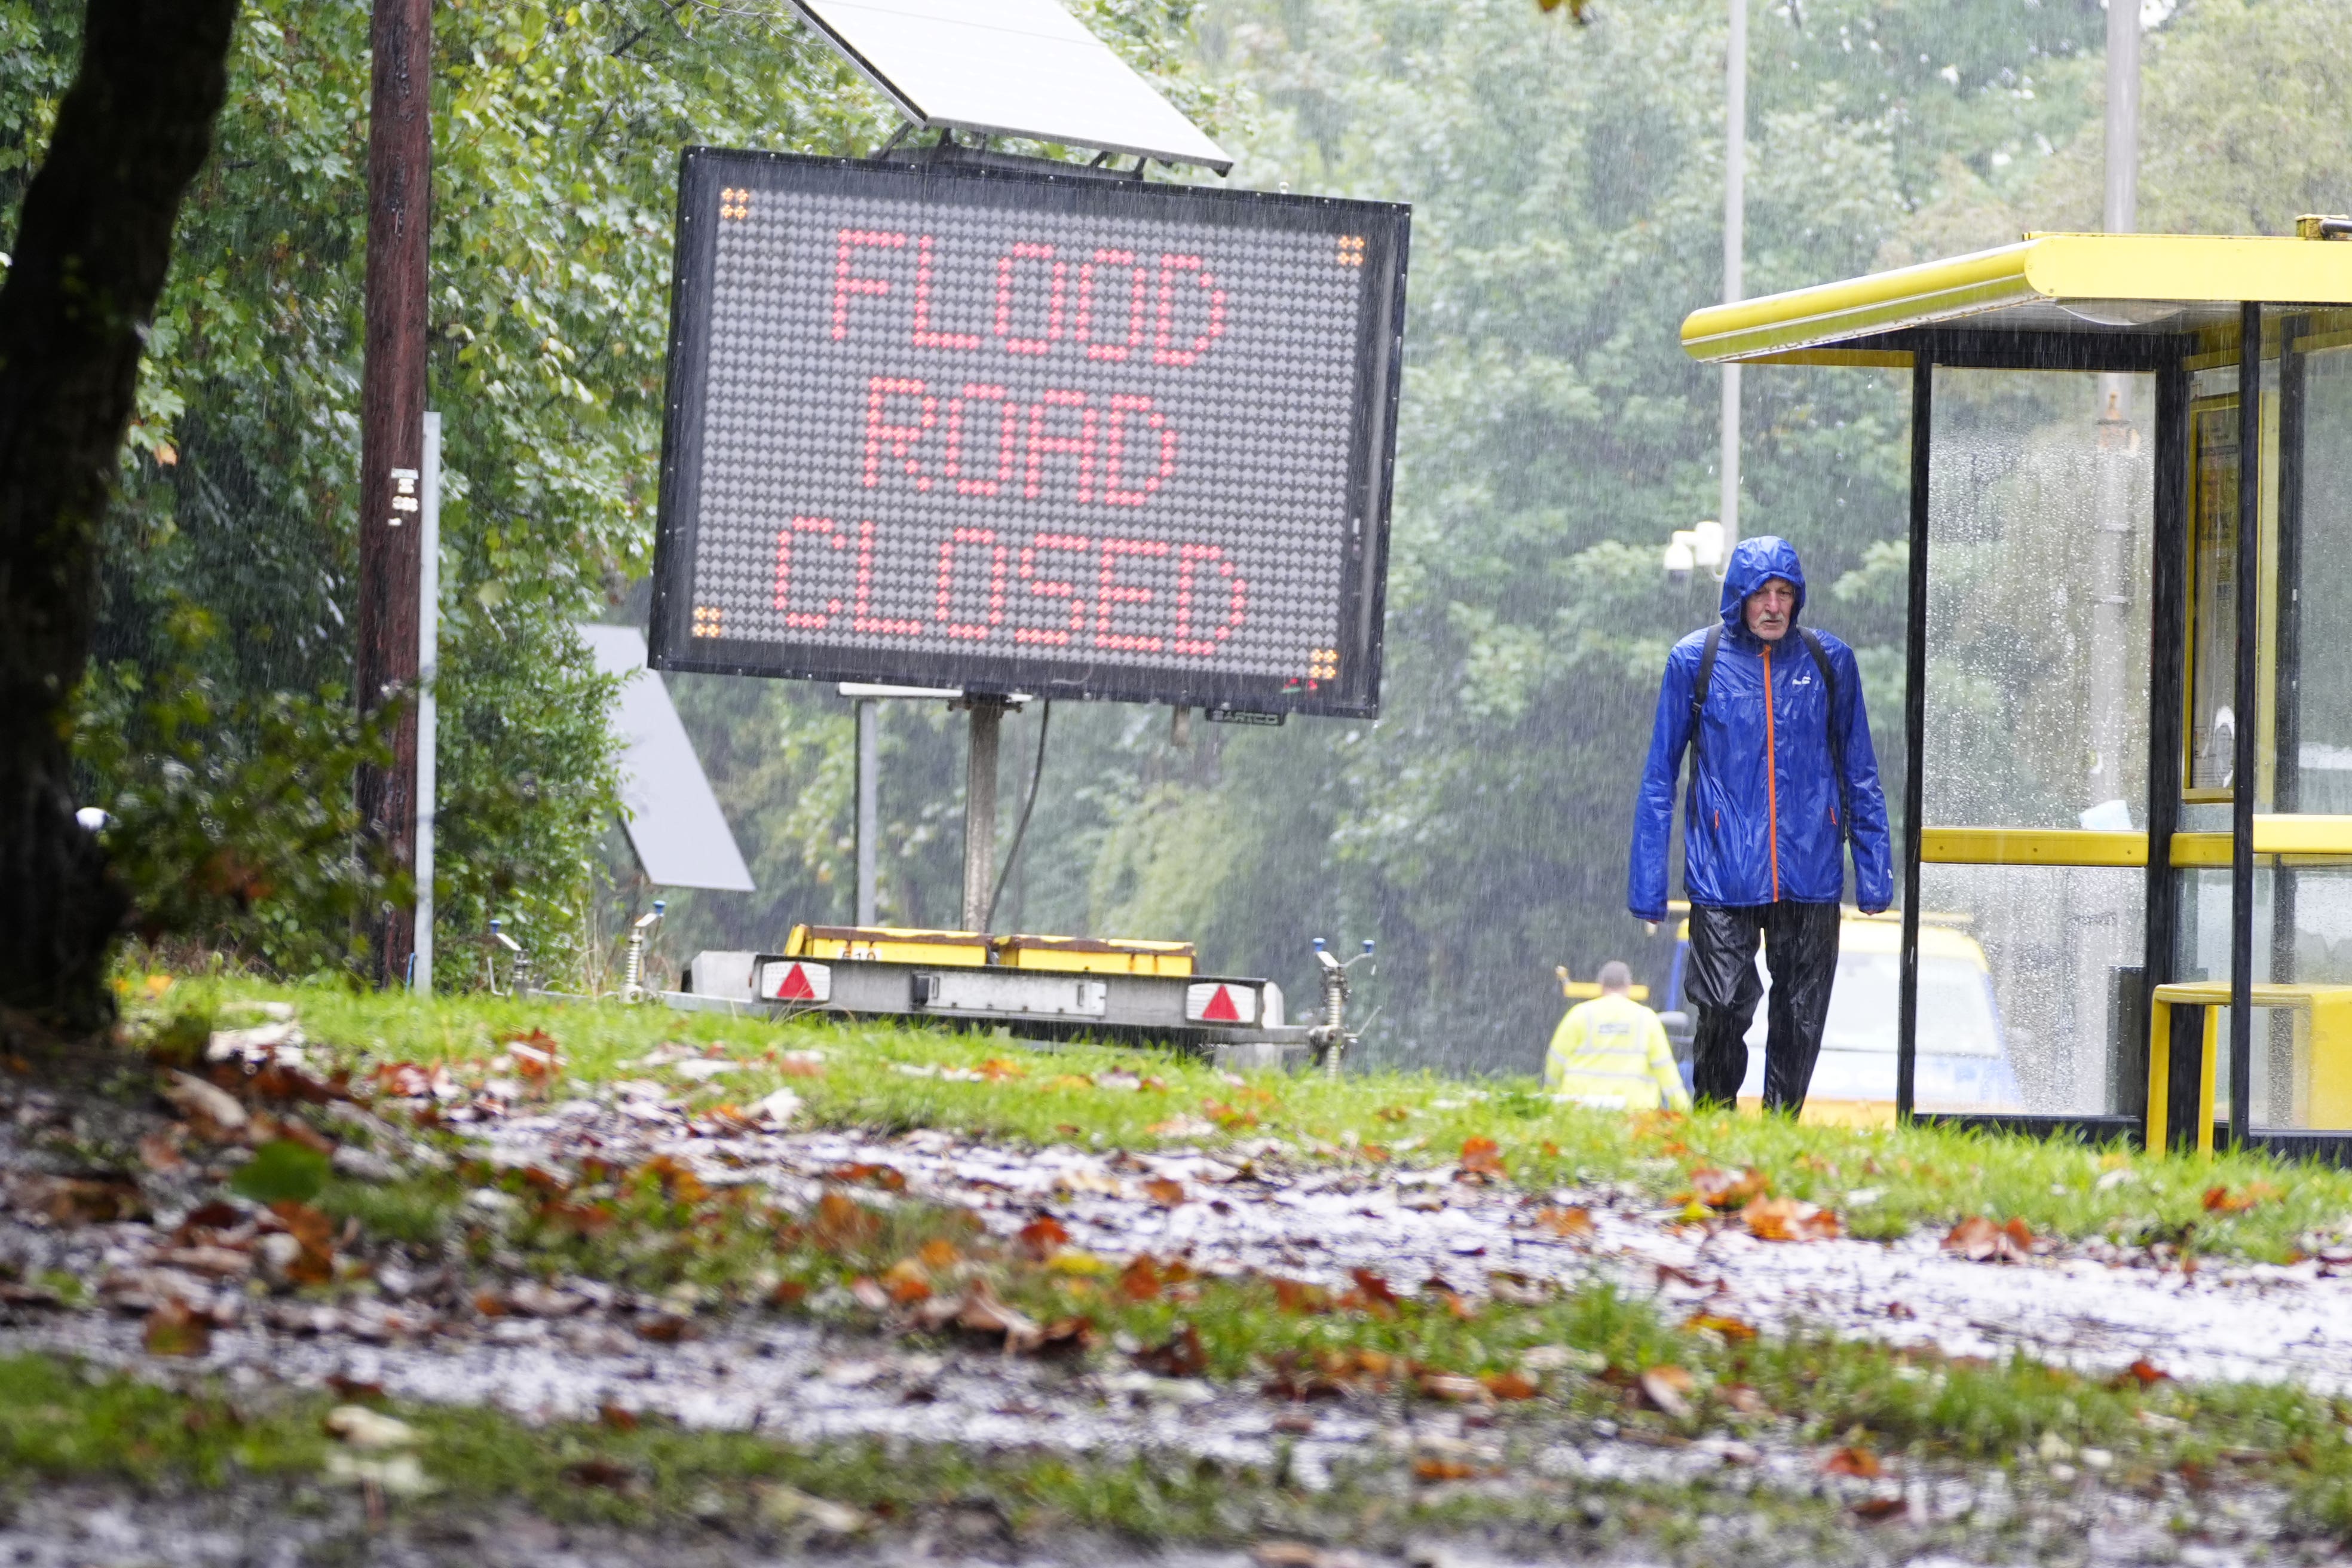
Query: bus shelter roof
(2151, 285)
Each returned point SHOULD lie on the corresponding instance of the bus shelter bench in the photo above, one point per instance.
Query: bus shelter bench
(2323, 1052)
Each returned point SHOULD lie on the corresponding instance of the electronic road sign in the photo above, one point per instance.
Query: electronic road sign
(1065, 435)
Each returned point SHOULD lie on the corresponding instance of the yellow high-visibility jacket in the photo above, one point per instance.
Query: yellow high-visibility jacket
(1612, 1051)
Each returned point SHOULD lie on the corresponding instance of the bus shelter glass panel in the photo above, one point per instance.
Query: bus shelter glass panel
(2300, 1071)
(2041, 510)
(2041, 513)
(2024, 1005)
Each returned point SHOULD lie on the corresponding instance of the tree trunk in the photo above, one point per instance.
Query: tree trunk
(92, 246)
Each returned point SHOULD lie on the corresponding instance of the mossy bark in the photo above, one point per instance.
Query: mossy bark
(91, 255)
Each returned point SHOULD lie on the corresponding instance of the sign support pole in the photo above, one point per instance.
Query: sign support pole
(428, 702)
(391, 431)
(987, 716)
(869, 809)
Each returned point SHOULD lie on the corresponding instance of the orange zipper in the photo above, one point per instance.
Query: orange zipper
(1771, 784)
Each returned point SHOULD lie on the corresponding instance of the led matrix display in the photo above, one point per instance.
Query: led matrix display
(1083, 437)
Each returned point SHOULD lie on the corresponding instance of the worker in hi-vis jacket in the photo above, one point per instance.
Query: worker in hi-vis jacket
(1612, 1051)
(1783, 778)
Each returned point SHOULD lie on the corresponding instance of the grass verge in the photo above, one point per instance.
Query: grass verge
(1882, 1183)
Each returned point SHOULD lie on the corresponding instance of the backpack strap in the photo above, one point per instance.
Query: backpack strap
(1837, 740)
(1713, 645)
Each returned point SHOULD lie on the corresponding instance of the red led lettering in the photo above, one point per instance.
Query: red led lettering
(1008, 437)
(1024, 251)
(1115, 443)
(802, 619)
(844, 284)
(900, 438)
(1139, 284)
(863, 621)
(974, 630)
(1115, 592)
(1080, 446)
(925, 338)
(1163, 349)
(1187, 563)
(1048, 588)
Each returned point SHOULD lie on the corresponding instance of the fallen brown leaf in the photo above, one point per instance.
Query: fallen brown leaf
(1139, 1280)
(1181, 1356)
(907, 1282)
(1452, 1387)
(980, 1312)
(86, 1200)
(678, 1183)
(1722, 1189)
(889, 1178)
(1745, 1399)
(1428, 1468)
(1374, 1287)
(1509, 1385)
(1042, 1237)
(1667, 1388)
(843, 1223)
(173, 1329)
(1877, 1510)
(1166, 1194)
(1481, 1160)
(1571, 1224)
(1298, 1296)
(1393, 1113)
(1788, 1219)
(1852, 1461)
(1724, 1323)
(1979, 1240)
(2222, 1200)
(2143, 1372)
(608, 1474)
(619, 1418)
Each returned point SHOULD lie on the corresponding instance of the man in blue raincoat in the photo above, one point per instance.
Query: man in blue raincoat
(1783, 778)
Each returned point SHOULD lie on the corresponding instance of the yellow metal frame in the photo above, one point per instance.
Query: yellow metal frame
(2331, 1003)
(1804, 326)
(2030, 846)
(971, 950)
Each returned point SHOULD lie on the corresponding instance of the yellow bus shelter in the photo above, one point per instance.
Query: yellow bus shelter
(2128, 682)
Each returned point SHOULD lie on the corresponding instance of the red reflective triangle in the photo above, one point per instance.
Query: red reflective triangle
(1221, 1008)
(795, 987)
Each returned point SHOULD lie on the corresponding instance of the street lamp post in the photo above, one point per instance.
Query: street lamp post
(1735, 226)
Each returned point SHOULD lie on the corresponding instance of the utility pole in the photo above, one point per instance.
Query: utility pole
(392, 437)
(1734, 245)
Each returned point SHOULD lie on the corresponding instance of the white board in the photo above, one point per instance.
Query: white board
(672, 816)
(1009, 68)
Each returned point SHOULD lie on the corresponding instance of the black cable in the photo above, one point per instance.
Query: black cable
(1036, 776)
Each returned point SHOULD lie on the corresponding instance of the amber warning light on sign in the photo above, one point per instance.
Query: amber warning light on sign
(1067, 436)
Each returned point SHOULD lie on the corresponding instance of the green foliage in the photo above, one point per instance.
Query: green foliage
(233, 814)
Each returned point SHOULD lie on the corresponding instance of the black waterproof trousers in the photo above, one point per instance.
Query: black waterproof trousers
(1800, 947)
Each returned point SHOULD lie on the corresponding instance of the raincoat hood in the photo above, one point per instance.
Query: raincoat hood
(1753, 562)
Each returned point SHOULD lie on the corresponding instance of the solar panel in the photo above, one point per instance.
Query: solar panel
(673, 819)
(1008, 68)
